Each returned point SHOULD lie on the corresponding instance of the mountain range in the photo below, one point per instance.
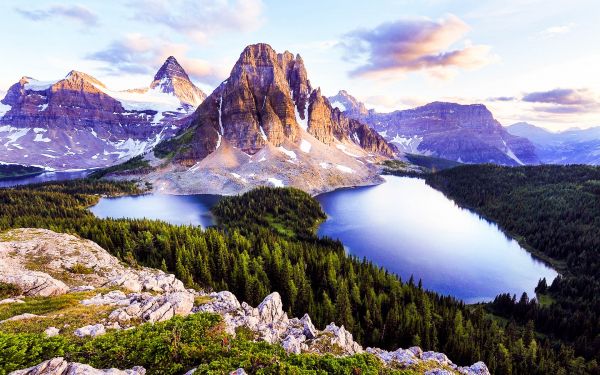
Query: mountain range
(463, 133)
(77, 122)
(573, 146)
(266, 124)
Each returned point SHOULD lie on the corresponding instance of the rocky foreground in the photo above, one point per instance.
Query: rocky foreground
(42, 263)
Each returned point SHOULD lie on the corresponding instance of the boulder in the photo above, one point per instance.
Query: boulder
(92, 330)
(51, 331)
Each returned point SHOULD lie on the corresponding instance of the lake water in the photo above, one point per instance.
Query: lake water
(175, 209)
(43, 177)
(403, 225)
(412, 229)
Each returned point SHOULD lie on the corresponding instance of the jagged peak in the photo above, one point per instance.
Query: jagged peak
(171, 69)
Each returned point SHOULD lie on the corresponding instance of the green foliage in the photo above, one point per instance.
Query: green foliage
(8, 290)
(81, 269)
(431, 163)
(169, 147)
(136, 164)
(265, 242)
(176, 346)
(554, 211)
(290, 212)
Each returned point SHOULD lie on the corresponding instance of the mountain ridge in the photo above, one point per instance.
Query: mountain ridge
(77, 122)
(463, 133)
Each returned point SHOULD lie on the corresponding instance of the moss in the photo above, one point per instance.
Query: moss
(8, 290)
(81, 269)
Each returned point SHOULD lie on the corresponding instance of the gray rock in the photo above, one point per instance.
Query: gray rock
(90, 330)
(59, 366)
(478, 368)
(11, 300)
(438, 371)
(22, 317)
(52, 331)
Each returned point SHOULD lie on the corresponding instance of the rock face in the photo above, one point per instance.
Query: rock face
(59, 366)
(268, 98)
(24, 261)
(77, 122)
(464, 133)
(266, 125)
(574, 146)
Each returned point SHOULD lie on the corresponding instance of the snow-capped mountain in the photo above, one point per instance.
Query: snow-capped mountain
(464, 133)
(266, 125)
(77, 122)
(573, 146)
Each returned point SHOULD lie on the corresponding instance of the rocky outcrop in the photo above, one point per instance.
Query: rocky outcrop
(28, 258)
(59, 366)
(77, 122)
(464, 133)
(155, 296)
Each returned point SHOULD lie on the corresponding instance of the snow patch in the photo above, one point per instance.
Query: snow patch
(344, 169)
(42, 107)
(343, 148)
(383, 133)
(262, 133)
(3, 109)
(339, 105)
(35, 85)
(324, 165)
(289, 153)
(39, 137)
(276, 182)
(305, 146)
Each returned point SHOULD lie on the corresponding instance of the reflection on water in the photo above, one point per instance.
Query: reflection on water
(175, 209)
(412, 229)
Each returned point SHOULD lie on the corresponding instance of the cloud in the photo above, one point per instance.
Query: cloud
(200, 19)
(414, 45)
(77, 13)
(138, 54)
(561, 101)
(502, 99)
(561, 96)
(555, 31)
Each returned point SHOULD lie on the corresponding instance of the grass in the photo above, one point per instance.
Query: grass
(81, 269)
(8, 290)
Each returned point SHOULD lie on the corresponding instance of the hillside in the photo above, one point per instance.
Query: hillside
(70, 297)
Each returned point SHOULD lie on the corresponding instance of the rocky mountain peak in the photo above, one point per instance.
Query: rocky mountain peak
(171, 69)
(171, 78)
(348, 103)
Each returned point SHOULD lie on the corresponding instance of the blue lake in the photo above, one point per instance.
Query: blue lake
(412, 229)
(403, 225)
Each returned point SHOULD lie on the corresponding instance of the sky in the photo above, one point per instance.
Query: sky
(528, 60)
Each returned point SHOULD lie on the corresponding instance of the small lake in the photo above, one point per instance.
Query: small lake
(403, 225)
(175, 209)
(412, 229)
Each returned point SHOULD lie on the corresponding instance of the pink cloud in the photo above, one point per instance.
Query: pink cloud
(414, 45)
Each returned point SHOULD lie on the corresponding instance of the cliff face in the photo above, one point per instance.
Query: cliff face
(465, 133)
(77, 122)
(268, 98)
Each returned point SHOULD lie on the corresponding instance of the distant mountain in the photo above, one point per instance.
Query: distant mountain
(265, 124)
(77, 122)
(573, 146)
(463, 133)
